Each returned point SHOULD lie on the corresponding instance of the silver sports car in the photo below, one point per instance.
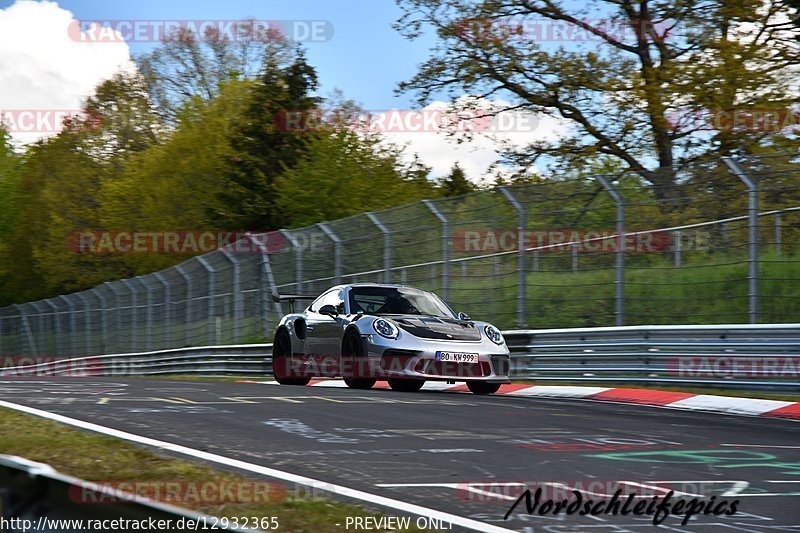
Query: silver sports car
(367, 331)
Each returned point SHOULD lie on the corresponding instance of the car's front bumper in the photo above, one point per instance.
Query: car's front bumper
(412, 357)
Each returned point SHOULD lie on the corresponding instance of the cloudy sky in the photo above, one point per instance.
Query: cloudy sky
(44, 67)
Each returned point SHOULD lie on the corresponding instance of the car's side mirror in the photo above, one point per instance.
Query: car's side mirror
(463, 316)
(328, 310)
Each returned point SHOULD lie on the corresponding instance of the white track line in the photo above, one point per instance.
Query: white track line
(263, 470)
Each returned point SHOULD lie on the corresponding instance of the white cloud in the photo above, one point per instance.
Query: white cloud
(477, 151)
(45, 69)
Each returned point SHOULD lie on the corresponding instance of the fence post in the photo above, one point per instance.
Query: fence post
(337, 252)
(148, 313)
(56, 324)
(619, 266)
(236, 292)
(522, 282)
(387, 246)
(167, 310)
(87, 324)
(71, 328)
(752, 237)
(676, 236)
(39, 335)
(134, 313)
(26, 328)
(298, 259)
(188, 314)
(267, 283)
(101, 346)
(445, 248)
(778, 236)
(211, 290)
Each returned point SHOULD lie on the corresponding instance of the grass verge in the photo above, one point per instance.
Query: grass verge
(101, 458)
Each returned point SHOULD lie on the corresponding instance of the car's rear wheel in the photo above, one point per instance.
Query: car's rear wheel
(281, 361)
(482, 387)
(406, 385)
(354, 363)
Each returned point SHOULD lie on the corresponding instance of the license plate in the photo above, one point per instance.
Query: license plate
(457, 357)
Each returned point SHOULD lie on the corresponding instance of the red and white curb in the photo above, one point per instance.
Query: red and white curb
(673, 400)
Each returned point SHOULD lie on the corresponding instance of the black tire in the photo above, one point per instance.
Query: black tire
(353, 357)
(406, 385)
(482, 387)
(281, 351)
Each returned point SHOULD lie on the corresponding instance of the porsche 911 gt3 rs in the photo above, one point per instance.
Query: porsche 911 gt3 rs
(367, 331)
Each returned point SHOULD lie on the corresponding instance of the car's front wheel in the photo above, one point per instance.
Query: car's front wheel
(482, 387)
(406, 385)
(281, 361)
(355, 364)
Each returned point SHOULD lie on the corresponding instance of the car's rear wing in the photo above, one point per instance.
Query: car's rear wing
(276, 297)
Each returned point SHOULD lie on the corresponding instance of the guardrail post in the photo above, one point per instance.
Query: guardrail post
(188, 302)
(445, 247)
(387, 246)
(522, 282)
(778, 236)
(236, 291)
(167, 310)
(211, 290)
(752, 238)
(619, 260)
(337, 252)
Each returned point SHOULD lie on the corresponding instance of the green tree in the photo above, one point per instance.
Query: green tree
(60, 192)
(343, 174)
(187, 65)
(631, 81)
(456, 183)
(267, 145)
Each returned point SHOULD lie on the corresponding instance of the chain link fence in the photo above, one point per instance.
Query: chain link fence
(713, 243)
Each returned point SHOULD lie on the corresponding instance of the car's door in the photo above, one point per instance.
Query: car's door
(323, 332)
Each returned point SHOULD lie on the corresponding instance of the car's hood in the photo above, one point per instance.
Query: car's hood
(429, 327)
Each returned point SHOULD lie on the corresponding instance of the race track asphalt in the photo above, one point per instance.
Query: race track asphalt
(463, 454)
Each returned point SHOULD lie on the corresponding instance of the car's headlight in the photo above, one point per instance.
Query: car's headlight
(385, 328)
(494, 334)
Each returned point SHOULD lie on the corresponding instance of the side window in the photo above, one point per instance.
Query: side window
(334, 298)
(319, 302)
(339, 304)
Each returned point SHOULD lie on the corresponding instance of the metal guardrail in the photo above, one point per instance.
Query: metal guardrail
(759, 357)
(34, 497)
(727, 356)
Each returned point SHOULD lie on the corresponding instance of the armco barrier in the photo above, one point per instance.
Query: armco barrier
(34, 497)
(727, 356)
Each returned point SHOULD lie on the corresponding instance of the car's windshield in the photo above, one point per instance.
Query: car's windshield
(397, 301)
